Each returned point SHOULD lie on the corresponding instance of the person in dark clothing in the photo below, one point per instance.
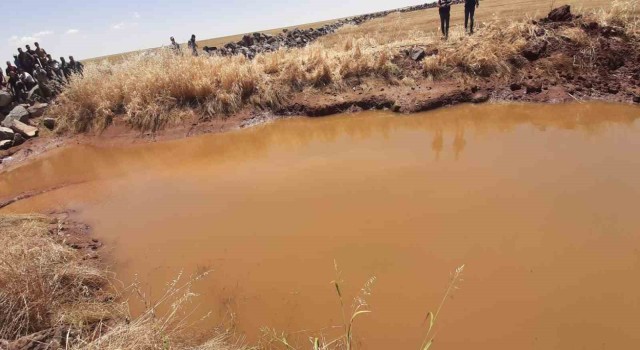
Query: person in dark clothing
(76, 66)
(193, 45)
(66, 68)
(16, 61)
(444, 7)
(2, 82)
(175, 46)
(55, 68)
(26, 60)
(469, 12)
(11, 68)
(33, 54)
(18, 89)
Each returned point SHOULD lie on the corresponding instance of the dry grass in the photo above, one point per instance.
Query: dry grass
(44, 282)
(154, 90)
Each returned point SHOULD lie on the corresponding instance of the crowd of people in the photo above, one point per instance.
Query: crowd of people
(36, 67)
(444, 8)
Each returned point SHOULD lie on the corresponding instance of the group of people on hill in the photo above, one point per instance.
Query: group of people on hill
(35, 67)
(193, 46)
(444, 7)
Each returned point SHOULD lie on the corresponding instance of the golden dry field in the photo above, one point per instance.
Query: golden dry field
(397, 25)
(400, 26)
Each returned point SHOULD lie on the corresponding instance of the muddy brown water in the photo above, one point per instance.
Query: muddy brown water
(540, 203)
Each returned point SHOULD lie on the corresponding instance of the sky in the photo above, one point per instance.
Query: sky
(86, 29)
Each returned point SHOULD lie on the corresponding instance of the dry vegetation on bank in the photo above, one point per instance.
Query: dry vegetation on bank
(152, 91)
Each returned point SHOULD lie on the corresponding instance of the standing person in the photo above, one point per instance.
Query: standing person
(66, 69)
(175, 46)
(193, 45)
(16, 61)
(33, 54)
(444, 7)
(469, 12)
(26, 61)
(76, 66)
(41, 53)
(11, 68)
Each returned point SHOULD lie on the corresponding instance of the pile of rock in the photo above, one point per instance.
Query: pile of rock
(252, 44)
(18, 125)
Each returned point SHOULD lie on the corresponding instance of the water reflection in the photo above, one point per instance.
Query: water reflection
(539, 201)
(71, 165)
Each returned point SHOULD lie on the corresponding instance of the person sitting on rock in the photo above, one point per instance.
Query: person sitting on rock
(193, 45)
(469, 13)
(3, 83)
(76, 66)
(17, 87)
(27, 79)
(54, 65)
(40, 74)
(43, 81)
(444, 8)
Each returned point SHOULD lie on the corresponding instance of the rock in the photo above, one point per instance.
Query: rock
(5, 99)
(23, 129)
(34, 94)
(515, 87)
(49, 123)
(418, 54)
(5, 144)
(18, 139)
(591, 26)
(539, 31)
(247, 40)
(560, 14)
(609, 31)
(6, 133)
(636, 99)
(37, 110)
(533, 87)
(480, 97)
(18, 113)
(535, 50)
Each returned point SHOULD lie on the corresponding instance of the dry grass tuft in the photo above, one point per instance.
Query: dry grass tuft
(44, 282)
